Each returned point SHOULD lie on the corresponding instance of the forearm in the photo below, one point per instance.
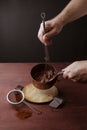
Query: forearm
(74, 10)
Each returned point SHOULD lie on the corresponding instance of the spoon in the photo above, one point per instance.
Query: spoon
(47, 56)
(56, 75)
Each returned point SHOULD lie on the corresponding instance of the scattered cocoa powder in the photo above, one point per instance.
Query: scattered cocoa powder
(24, 113)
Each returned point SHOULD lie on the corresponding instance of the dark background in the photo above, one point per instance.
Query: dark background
(19, 24)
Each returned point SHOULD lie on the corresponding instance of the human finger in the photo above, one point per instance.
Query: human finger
(43, 37)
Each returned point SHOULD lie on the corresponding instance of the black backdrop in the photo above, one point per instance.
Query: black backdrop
(19, 24)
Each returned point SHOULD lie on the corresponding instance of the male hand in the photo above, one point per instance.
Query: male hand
(77, 71)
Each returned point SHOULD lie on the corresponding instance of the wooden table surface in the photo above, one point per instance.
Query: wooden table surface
(71, 116)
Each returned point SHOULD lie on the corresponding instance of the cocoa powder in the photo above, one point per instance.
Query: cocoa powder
(18, 96)
(22, 111)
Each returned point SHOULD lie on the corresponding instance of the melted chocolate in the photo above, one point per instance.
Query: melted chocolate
(44, 76)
